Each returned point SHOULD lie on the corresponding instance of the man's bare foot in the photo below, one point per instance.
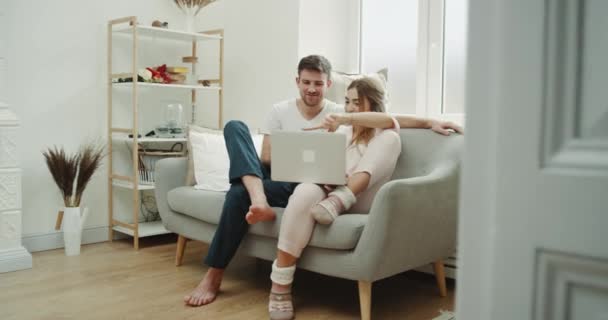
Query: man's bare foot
(207, 289)
(258, 213)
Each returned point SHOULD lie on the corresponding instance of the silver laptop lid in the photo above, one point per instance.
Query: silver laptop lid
(308, 156)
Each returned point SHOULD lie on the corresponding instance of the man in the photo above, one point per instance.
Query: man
(252, 194)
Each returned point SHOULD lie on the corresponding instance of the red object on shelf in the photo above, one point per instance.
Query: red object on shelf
(160, 73)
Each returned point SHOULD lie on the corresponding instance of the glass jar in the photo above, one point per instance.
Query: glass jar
(172, 125)
(174, 119)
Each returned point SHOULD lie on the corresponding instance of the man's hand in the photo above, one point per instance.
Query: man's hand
(331, 122)
(444, 127)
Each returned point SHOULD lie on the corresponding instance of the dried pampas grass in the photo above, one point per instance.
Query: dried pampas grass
(192, 5)
(72, 173)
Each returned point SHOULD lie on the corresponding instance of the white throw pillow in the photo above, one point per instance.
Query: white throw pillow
(341, 81)
(210, 159)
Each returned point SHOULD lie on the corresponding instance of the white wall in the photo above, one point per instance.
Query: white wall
(263, 49)
(56, 85)
(57, 75)
(3, 47)
(260, 57)
(389, 39)
(331, 28)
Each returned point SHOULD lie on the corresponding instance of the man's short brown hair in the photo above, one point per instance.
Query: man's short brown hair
(315, 63)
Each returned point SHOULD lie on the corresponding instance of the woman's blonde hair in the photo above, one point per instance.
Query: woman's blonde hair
(370, 90)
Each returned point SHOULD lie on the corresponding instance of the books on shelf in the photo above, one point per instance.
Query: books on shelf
(177, 70)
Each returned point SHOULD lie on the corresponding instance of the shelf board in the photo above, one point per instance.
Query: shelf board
(165, 85)
(129, 185)
(147, 139)
(154, 32)
(145, 229)
(163, 153)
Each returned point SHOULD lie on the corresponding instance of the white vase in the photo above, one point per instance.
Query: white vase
(73, 222)
(190, 20)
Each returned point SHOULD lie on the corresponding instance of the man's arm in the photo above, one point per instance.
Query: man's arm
(273, 123)
(266, 150)
(441, 127)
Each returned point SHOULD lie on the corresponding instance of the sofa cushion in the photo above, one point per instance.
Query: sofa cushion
(200, 204)
(190, 177)
(342, 234)
(208, 163)
(205, 205)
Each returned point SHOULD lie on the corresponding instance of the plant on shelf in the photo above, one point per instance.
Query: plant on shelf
(191, 8)
(72, 173)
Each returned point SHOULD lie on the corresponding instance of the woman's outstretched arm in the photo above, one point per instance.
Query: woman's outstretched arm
(365, 119)
(441, 127)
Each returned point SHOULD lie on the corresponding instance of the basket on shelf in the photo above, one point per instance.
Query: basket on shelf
(148, 157)
(146, 176)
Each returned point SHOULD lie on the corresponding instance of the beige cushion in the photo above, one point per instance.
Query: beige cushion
(341, 81)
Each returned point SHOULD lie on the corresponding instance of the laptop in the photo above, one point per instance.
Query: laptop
(308, 157)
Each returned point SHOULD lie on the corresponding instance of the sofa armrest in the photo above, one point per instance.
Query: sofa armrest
(412, 222)
(170, 174)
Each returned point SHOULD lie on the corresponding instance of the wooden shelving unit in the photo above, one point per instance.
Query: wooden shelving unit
(128, 26)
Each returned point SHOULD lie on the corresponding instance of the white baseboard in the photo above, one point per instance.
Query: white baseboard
(450, 264)
(15, 259)
(50, 241)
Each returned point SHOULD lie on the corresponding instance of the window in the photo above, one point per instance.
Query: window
(423, 44)
(442, 59)
(389, 40)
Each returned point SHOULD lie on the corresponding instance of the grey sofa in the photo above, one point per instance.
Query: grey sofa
(412, 221)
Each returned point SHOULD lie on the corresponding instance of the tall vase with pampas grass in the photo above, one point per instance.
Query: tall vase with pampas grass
(72, 173)
(191, 8)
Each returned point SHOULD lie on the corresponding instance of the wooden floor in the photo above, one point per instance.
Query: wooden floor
(113, 281)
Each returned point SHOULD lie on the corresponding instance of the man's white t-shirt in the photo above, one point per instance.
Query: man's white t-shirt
(286, 116)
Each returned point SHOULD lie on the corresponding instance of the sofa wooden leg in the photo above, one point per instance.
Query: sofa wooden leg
(365, 299)
(440, 276)
(181, 247)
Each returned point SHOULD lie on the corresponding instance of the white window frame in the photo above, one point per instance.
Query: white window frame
(430, 66)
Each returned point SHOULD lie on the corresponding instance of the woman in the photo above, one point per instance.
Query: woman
(373, 146)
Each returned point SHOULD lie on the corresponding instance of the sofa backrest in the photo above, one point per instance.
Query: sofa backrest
(423, 150)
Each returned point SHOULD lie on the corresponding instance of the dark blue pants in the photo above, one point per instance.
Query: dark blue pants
(233, 226)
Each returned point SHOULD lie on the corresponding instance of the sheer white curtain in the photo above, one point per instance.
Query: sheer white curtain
(389, 35)
(423, 44)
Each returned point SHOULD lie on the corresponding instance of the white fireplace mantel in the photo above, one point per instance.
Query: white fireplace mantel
(13, 256)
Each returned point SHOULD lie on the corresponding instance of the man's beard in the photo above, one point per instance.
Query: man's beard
(308, 97)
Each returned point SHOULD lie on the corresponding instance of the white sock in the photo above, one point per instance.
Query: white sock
(282, 276)
(338, 201)
(345, 195)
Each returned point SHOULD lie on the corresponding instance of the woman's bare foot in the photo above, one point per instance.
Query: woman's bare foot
(207, 289)
(258, 213)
